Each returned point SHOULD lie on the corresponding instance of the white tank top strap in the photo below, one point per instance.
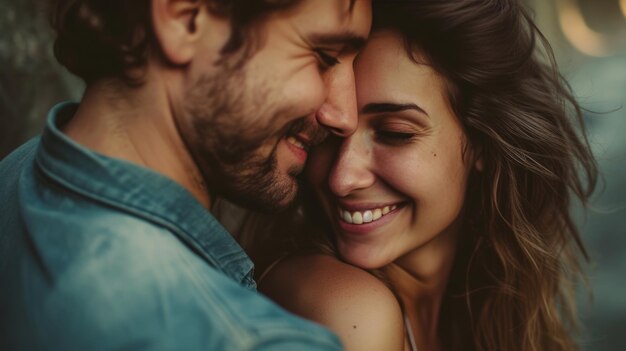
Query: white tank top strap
(269, 268)
(409, 331)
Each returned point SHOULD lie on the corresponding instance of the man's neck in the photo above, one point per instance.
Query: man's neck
(136, 124)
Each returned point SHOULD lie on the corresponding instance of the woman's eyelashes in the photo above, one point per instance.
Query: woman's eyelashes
(392, 137)
(392, 130)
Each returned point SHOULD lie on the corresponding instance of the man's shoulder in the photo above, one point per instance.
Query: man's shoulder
(138, 281)
(86, 231)
(167, 306)
(12, 165)
(352, 302)
(21, 153)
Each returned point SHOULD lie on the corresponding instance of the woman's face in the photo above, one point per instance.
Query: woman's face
(398, 183)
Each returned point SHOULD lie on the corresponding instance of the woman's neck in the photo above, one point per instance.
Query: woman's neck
(420, 278)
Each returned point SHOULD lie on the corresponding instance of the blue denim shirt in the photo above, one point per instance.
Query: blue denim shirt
(100, 254)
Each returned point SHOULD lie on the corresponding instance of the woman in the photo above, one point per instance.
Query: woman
(442, 223)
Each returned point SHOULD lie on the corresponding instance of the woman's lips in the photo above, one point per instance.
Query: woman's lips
(360, 214)
(366, 220)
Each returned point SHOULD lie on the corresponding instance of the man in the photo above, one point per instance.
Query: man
(107, 241)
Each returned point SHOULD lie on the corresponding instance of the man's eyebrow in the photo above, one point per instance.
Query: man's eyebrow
(385, 107)
(350, 41)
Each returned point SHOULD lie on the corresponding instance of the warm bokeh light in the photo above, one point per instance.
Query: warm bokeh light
(578, 33)
(622, 5)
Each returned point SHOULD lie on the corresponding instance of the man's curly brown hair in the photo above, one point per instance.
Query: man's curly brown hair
(110, 38)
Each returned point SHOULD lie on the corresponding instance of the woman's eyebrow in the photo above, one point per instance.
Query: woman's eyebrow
(382, 107)
(352, 42)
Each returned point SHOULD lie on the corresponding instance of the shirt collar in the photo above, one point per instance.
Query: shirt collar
(140, 192)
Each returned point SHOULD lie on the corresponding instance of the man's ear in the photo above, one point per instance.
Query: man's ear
(178, 27)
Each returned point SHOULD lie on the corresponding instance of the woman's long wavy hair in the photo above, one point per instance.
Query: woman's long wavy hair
(520, 258)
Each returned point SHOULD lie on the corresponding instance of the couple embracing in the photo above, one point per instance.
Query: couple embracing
(413, 161)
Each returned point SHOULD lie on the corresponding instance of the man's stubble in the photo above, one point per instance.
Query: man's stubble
(227, 126)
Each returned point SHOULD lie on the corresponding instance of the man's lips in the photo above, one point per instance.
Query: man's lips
(299, 142)
(305, 140)
(307, 132)
(299, 149)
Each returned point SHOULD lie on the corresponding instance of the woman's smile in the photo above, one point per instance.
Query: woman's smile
(365, 218)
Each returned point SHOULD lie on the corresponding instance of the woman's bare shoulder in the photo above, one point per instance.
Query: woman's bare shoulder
(350, 301)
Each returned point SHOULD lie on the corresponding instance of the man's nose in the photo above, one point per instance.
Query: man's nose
(338, 113)
(352, 167)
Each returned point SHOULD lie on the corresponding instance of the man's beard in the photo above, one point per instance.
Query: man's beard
(226, 123)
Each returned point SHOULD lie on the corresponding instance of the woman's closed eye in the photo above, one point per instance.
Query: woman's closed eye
(395, 137)
(397, 130)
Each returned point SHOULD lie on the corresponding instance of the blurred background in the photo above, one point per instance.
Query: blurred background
(588, 37)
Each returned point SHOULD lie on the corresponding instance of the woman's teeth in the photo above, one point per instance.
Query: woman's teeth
(295, 142)
(361, 217)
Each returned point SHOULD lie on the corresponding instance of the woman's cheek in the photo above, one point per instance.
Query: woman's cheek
(402, 169)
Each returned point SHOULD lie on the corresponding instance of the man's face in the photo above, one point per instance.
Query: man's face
(249, 128)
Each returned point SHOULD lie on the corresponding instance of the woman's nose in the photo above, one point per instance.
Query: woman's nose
(351, 170)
